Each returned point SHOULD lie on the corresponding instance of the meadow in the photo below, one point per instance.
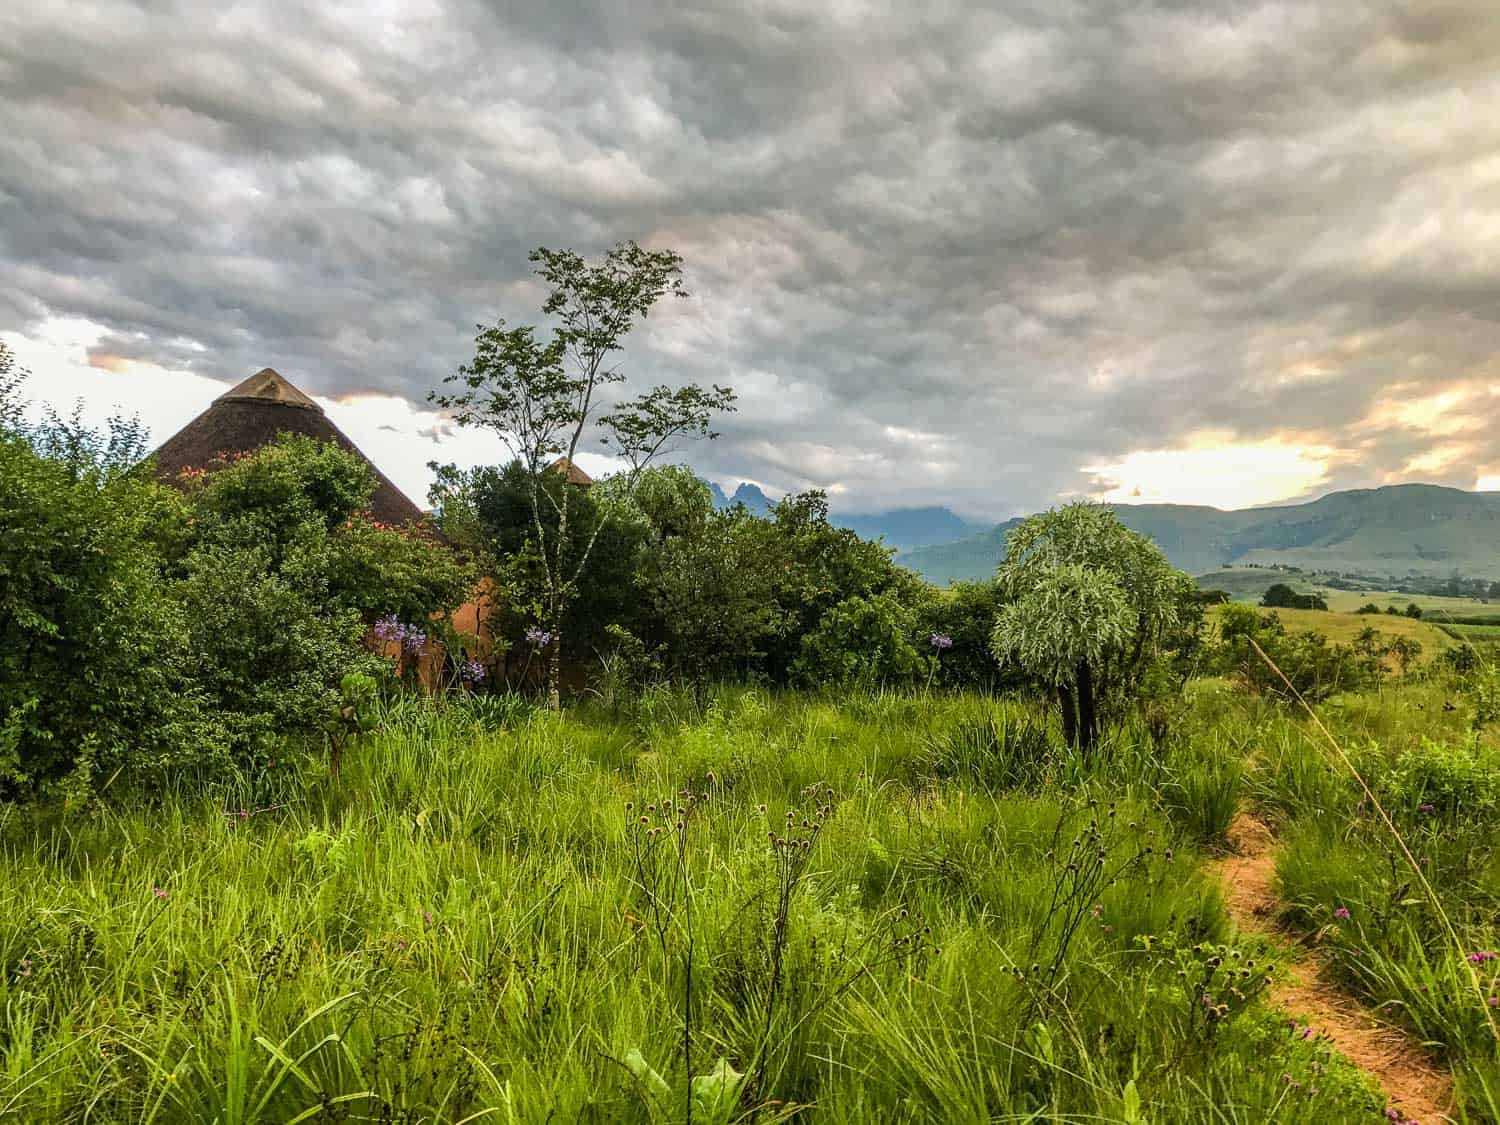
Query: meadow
(742, 906)
(1343, 628)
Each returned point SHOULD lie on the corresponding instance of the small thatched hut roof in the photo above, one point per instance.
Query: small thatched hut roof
(574, 474)
(252, 415)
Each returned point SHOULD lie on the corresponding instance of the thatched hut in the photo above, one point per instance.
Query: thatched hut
(572, 472)
(251, 415)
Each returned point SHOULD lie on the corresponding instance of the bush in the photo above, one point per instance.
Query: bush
(965, 614)
(94, 672)
(1444, 780)
(269, 650)
(284, 579)
(862, 641)
(1315, 668)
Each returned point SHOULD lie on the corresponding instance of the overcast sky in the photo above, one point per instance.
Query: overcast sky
(982, 255)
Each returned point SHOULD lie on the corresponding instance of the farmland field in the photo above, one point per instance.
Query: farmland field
(1250, 583)
(1487, 634)
(1431, 605)
(1343, 628)
(888, 908)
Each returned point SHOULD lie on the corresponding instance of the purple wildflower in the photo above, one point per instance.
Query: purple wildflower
(1426, 806)
(940, 641)
(1483, 956)
(159, 893)
(1342, 914)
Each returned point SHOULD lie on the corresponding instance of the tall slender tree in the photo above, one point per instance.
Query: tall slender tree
(547, 398)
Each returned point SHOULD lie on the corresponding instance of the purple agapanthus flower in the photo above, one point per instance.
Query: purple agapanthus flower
(389, 629)
(538, 637)
(471, 671)
(415, 640)
(940, 641)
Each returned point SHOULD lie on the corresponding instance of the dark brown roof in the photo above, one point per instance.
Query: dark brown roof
(252, 415)
(574, 474)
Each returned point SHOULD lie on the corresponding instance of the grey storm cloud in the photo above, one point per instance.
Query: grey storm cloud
(945, 251)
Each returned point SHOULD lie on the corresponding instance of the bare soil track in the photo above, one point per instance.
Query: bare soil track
(1413, 1083)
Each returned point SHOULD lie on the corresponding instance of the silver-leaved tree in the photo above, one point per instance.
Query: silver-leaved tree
(1089, 604)
(547, 397)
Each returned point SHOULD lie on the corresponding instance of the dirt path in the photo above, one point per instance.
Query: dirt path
(1413, 1084)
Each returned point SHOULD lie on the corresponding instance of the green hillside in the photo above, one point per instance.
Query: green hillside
(1396, 530)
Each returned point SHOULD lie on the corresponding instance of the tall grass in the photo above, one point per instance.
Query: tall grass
(464, 928)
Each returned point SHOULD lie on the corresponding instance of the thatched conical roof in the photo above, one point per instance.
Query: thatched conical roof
(574, 474)
(251, 415)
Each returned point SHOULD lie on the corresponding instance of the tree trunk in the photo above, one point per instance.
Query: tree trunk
(1069, 715)
(554, 671)
(554, 664)
(1088, 718)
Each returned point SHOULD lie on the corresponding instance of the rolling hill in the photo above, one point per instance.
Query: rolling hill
(1395, 530)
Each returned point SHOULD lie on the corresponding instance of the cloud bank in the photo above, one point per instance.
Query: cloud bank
(983, 255)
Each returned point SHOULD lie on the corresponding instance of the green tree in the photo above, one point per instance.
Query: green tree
(488, 511)
(1282, 596)
(1090, 605)
(546, 399)
(812, 566)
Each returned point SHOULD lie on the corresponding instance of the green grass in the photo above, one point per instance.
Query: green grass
(1441, 784)
(500, 925)
(1433, 606)
(1476, 634)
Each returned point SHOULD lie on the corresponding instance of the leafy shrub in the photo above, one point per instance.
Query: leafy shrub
(283, 580)
(1461, 661)
(965, 614)
(94, 674)
(1445, 780)
(1315, 668)
(865, 641)
(268, 650)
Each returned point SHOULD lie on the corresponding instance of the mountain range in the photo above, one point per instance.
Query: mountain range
(1395, 530)
(903, 528)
